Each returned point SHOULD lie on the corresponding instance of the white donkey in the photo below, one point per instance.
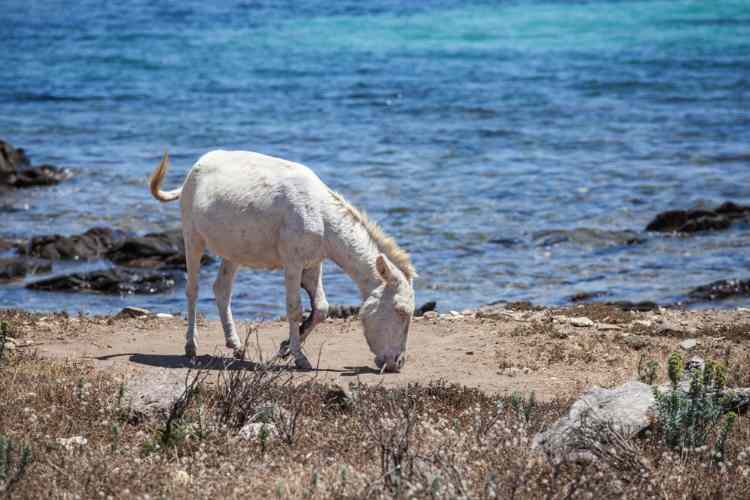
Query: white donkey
(267, 213)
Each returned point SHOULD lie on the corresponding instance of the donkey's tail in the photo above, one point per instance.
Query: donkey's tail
(157, 176)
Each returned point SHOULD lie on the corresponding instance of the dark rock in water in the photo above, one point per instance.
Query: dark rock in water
(699, 219)
(111, 281)
(506, 242)
(87, 246)
(587, 237)
(587, 296)
(643, 306)
(720, 290)
(16, 170)
(155, 250)
(11, 159)
(43, 175)
(13, 244)
(15, 268)
(427, 306)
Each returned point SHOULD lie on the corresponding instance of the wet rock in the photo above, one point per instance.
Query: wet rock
(720, 290)
(699, 219)
(11, 159)
(87, 246)
(427, 306)
(587, 237)
(155, 250)
(7, 245)
(643, 306)
(16, 170)
(15, 268)
(43, 175)
(110, 281)
(587, 296)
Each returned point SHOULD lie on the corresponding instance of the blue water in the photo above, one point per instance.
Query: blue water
(470, 130)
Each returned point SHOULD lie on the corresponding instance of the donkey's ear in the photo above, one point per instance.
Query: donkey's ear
(384, 268)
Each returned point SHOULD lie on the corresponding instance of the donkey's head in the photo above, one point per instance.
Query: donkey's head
(386, 315)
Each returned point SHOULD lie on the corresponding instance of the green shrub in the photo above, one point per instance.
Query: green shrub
(687, 416)
(12, 467)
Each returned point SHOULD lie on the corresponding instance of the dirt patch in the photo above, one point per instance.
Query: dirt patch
(547, 351)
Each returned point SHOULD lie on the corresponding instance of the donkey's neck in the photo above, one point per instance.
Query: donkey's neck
(353, 250)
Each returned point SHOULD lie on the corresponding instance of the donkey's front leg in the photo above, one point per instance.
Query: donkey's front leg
(292, 281)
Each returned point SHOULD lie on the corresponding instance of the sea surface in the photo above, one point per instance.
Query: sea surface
(505, 144)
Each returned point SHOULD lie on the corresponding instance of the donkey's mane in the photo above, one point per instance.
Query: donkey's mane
(385, 243)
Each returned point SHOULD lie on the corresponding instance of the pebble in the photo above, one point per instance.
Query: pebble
(164, 315)
(430, 315)
(643, 322)
(581, 321)
(608, 327)
(134, 312)
(636, 341)
(182, 477)
(69, 443)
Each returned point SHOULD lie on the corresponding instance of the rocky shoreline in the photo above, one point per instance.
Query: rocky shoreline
(153, 263)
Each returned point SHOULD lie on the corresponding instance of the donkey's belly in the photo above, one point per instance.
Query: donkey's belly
(246, 242)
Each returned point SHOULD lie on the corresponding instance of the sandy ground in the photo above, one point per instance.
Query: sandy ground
(553, 352)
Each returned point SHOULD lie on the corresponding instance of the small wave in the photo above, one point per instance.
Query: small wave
(47, 97)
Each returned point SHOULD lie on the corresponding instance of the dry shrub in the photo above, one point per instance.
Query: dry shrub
(446, 441)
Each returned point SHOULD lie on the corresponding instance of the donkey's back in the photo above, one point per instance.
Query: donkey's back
(253, 209)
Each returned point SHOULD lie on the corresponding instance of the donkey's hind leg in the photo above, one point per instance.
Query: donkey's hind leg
(223, 295)
(312, 282)
(292, 282)
(194, 246)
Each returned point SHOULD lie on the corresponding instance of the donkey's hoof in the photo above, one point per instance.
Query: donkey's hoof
(301, 363)
(191, 350)
(284, 351)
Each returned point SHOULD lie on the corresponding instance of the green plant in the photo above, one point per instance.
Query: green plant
(647, 370)
(522, 406)
(11, 468)
(721, 441)
(686, 418)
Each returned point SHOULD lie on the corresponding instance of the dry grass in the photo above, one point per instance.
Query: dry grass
(434, 441)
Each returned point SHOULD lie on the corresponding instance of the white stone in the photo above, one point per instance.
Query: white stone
(72, 442)
(626, 407)
(182, 477)
(581, 322)
(688, 344)
(253, 430)
(164, 315)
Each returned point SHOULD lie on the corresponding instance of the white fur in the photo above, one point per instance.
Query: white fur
(264, 212)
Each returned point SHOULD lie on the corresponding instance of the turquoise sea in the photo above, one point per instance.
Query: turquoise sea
(506, 144)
